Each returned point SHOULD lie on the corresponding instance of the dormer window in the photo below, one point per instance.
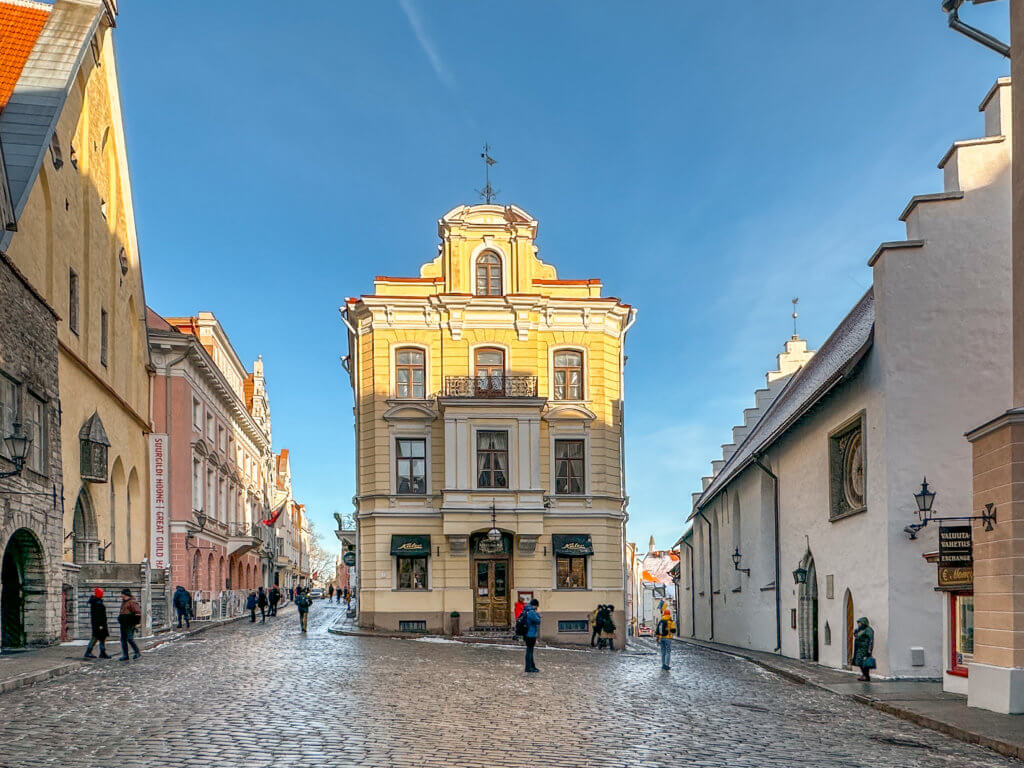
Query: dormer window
(488, 275)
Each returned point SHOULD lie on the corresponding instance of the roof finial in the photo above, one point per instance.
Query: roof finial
(488, 193)
(795, 316)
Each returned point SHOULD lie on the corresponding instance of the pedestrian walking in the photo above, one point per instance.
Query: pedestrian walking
(302, 602)
(98, 619)
(275, 598)
(182, 605)
(863, 647)
(291, 593)
(129, 618)
(664, 631)
(605, 628)
(348, 595)
(250, 606)
(532, 632)
(262, 602)
(595, 629)
(330, 593)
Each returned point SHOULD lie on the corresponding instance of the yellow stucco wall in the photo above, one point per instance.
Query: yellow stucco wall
(81, 219)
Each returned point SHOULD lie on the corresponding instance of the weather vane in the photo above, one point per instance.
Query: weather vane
(488, 193)
(795, 315)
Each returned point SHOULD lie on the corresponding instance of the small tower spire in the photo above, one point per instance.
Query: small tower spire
(488, 193)
(795, 316)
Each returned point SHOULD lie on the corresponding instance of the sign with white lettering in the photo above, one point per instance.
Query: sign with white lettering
(159, 543)
(955, 545)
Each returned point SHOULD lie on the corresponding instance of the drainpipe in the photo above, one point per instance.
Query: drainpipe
(711, 575)
(778, 585)
(693, 595)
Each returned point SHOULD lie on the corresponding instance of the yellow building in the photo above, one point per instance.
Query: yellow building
(489, 436)
(64, 143)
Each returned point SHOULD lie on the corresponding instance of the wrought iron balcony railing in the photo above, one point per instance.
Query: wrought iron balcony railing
(244, 529)
(490, 386)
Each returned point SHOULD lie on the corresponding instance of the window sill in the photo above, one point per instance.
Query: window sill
(737, 590)
(844, 515)
(35, 475)
(409, 589)
(572, 589)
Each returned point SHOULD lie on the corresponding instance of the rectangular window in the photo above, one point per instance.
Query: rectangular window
(35, 423)
(411, 466)
(73, 301)
(8, 410)
(197, 484)
(220, 438)
(197, 414)
(573, 626)
(209, 427)
(569, 466)
(492, 459)
(413, 625)
(571, 572)
(412, 572)
(104, 339)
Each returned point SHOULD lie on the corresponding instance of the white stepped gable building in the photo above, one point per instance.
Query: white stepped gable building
(839, 441)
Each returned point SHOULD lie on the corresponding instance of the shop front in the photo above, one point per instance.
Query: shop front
(955, 584)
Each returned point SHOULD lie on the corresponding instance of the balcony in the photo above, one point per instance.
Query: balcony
(242, 537)
(490, 387)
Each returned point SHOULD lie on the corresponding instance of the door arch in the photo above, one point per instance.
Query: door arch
(22, 591)
(86, 543)
(807, 611)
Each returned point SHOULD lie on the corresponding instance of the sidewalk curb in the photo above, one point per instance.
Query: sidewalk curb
(1004, 748)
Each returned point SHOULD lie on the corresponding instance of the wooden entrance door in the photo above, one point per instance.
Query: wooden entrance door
(849, 628)
(491, 596)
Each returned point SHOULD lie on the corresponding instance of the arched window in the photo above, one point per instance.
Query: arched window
(488, 275)
(489, 365)
(568, 375)
(410, 372)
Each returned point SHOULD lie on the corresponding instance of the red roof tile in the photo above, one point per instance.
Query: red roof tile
(20, 25)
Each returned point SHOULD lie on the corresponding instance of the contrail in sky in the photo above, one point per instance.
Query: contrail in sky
(429, 49)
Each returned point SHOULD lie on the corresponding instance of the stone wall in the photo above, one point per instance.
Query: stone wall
(32, 500)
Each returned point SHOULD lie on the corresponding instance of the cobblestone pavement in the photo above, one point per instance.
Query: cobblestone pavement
(265, 695)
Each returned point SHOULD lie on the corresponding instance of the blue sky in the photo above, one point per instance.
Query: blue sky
(709, 161)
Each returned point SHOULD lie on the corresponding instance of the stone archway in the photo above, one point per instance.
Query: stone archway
(22, 591)
(807, 611)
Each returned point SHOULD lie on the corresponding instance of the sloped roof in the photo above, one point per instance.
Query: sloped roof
(30, 114)
(832, 364)
(20, 25)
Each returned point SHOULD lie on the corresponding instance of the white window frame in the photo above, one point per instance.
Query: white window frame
(39, 442)
(586, 372)
(507, 353)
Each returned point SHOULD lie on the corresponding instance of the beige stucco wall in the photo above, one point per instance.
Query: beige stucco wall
(81, 219)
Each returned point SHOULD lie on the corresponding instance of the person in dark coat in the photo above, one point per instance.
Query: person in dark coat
(863, 647)
(302, 602)
(183, 605)
(262, 602)
(330, 593)
(250, 606)
(98, 619)
(275, 597)
(532, 632)
(129, 618)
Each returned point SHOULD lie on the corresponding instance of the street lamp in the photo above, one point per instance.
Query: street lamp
(17, 446)
(736, 562)
(494, 534)
(924, 498)
(800, 575)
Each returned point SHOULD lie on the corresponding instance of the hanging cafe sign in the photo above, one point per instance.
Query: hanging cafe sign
(956, 556)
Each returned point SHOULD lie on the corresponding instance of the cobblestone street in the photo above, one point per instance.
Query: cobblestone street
(265, 695)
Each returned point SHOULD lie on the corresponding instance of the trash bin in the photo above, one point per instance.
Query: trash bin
(454, 616)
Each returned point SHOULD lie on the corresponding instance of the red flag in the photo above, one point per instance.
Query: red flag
(277, 513)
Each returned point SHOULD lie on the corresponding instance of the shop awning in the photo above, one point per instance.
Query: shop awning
(410, 545)
(572, 544)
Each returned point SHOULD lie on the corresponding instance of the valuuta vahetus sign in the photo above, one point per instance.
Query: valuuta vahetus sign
(955, 545)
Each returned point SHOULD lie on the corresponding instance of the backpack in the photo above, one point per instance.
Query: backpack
(521, 625)
(662, 629)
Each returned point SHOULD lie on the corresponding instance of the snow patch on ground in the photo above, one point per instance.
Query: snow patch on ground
(76, 642)
(441, 640)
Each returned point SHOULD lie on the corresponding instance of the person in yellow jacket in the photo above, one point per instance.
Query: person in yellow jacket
(663, 633)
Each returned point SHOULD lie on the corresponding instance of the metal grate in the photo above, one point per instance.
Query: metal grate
(412, 626)
(572, 626)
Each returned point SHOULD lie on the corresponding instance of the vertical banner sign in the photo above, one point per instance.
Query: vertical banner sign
(159, 549)
(956, 556)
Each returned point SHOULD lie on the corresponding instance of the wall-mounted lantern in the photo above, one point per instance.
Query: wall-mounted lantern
(800, 575)
(16, 445)
(736, 557)
(94, 444)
